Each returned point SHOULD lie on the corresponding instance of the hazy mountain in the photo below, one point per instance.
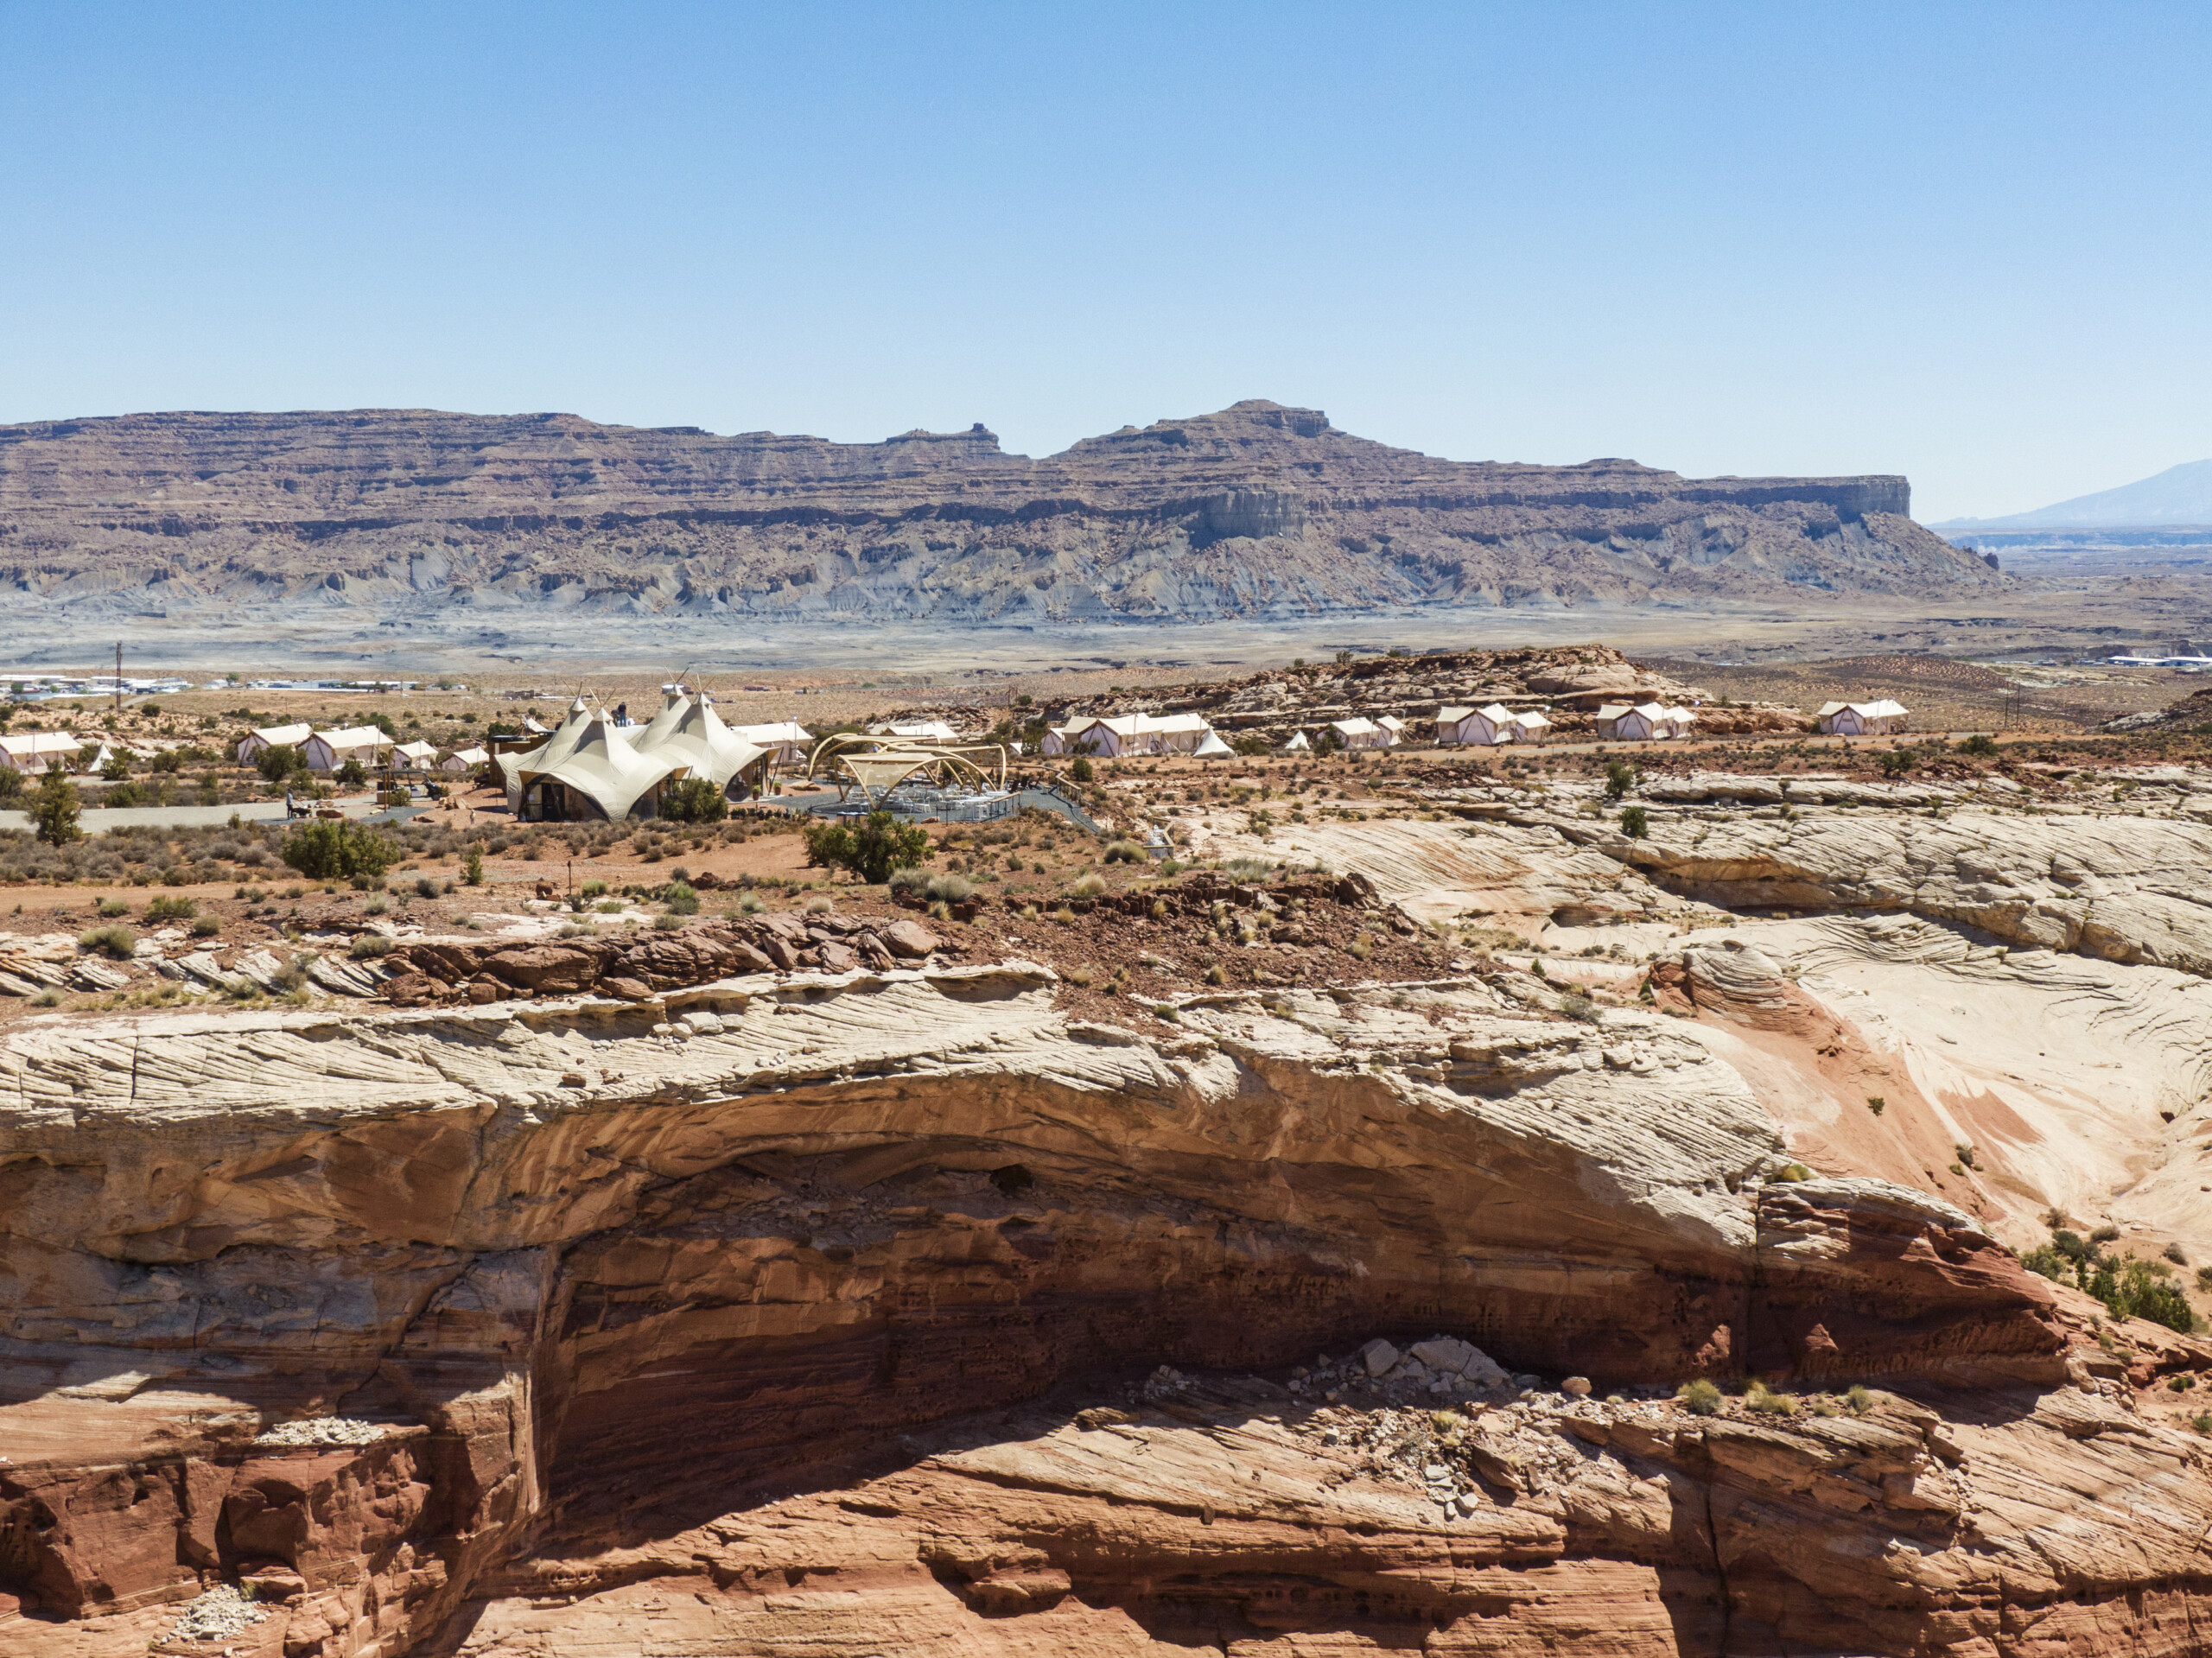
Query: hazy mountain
(2180, 494)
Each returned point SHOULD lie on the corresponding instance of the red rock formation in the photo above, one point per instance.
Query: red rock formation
(727, 1324)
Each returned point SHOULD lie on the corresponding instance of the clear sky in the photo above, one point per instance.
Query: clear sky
(1967, 243)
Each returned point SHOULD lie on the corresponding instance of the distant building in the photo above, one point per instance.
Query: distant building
(1882, 719)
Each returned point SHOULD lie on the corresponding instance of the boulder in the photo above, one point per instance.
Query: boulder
(628, 989)
(549, 970)
(1378, 1356)
(910, 939)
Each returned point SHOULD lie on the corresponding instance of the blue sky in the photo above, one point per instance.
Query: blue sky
(1967, 243)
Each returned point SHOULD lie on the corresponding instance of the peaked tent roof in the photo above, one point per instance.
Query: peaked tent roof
(1211, 747)
(555, 749)
(283, 736)
(689, 731)
(602, 766)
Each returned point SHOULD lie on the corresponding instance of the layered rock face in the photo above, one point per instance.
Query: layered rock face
(805, 1311)
(1257, 509)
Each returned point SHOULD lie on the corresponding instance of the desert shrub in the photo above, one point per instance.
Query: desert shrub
(351, 774)
(1760, 1398)
(207, 927)
(1699, 1398)
(1634, 823)
(171, 909)
(1089, 886)
(53, 811)
(872, 849)
(340, 850)
(279, 763)
(116, 941)
(1620, 778)
(11, 782)
(112, 907)
(1124, 852)
(1247, 870)
(1575, 1005)
(819, 906)
(426, 887)
(1859, 1400)
(1081, 769)
(693, 800)
(681, 899)
(949, 889)
(1979, 745)
(368, 946)
(593, 889)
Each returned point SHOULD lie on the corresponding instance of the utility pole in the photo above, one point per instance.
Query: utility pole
(118, 675)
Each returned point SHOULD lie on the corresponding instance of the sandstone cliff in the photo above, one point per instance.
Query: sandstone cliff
(807, 1312)
(1259, 510)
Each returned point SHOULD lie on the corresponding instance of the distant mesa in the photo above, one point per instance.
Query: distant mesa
(2179, 495)
(1259, 511)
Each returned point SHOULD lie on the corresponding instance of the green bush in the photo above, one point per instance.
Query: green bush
(338, 850)
(1089, 886)
(1620, 778)
(1124, 852)
(1080, 769)
(171, 909)
(1700, 1398)
(118, 942)
(948, 889)
(1633, 824)
(112, 907)
(693, 800)
(472, 868)
(11, 782)
(872, 849)
(280, 762)
(207, 927)
(681, 899)
(1979, 744)
(53, 811)
(369, 945)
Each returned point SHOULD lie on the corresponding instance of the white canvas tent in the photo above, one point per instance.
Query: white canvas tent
(1608, 718)
(1881, 719)
(1359, 733)
(1529, 726)
(918, 730)
(1212, 747)
(414, 757)
(1298, 745)
(1649, 722)
(261, 738)
(786, 739)
(463, 759)
(326, 751)
(40, 751)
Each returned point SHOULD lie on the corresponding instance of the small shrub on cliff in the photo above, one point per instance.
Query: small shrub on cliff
(1620, 778)
(1699, 1398)
(1981, 746)
(116, 941)
(1634, 822)
(370, 945)
(682, 899)
(1759, 1397)
(1858, 1402)
(170, 909)
(1124, 852)
(1089, 886)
